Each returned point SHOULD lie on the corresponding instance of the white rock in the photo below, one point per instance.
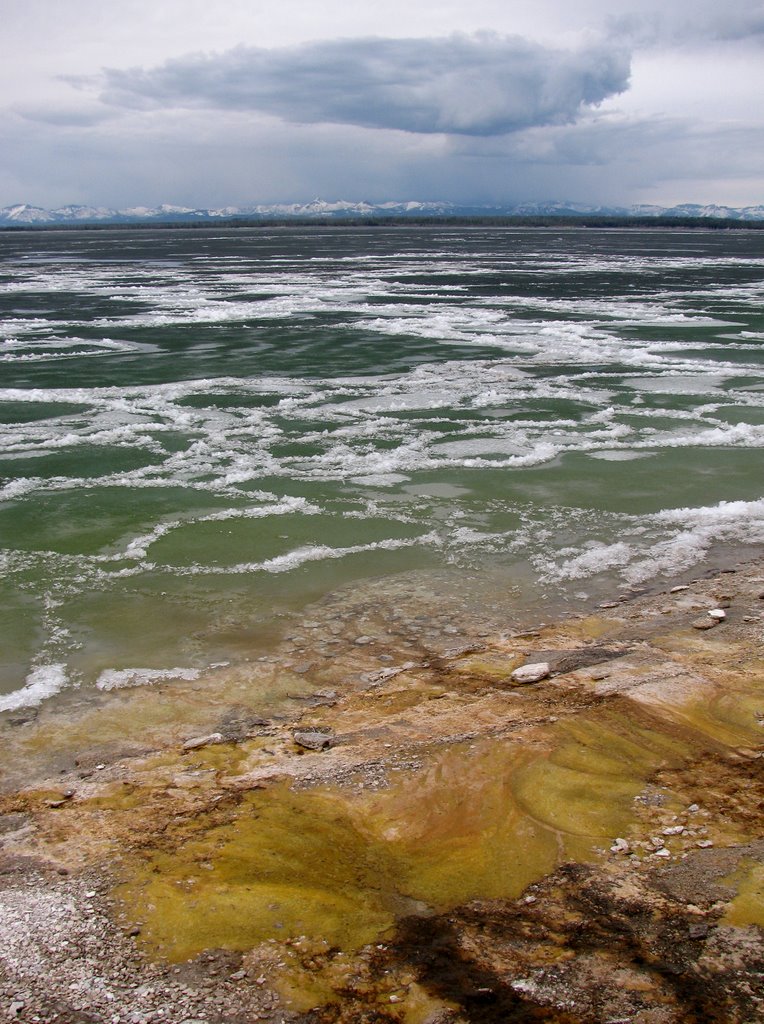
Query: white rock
(718, 614)
(663, 852)
(620, 846)
(531, 673)
(204, 741)
(674, 830)
(677, 590)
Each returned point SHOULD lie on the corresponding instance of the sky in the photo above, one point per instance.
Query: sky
(610, 102)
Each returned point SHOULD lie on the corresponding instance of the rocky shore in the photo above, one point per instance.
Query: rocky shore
(560, 824)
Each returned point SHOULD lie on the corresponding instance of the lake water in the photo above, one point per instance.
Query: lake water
(207, 432)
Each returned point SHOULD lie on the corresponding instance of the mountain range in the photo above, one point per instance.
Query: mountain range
(23, 214)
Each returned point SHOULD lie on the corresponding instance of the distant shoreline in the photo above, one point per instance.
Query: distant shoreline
(546, 222)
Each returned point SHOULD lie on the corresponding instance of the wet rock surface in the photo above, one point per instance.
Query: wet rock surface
(445, 847)
(587, 944)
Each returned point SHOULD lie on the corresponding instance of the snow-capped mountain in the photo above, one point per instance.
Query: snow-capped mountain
(24, 214)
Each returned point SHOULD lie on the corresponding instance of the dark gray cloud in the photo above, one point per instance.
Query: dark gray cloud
(479, 85)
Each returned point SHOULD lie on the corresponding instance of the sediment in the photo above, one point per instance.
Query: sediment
(425, 842)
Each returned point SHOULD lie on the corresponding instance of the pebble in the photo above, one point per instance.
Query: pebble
(718, 613)
(706, 623)
(620, 846)
(704, 843)
(90, 968)
(531, 673)
(679, 589)
(663, 852)
(674, 830)
(303, 667)
(361, 641)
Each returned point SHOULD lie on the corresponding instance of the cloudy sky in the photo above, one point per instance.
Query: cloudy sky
(241, 101)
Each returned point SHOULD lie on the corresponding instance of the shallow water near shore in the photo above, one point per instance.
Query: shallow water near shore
(207, 436)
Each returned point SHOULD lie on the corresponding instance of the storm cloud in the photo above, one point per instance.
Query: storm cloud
(236, 103)
(480, 85)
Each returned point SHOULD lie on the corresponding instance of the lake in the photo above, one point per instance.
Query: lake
(209, 434)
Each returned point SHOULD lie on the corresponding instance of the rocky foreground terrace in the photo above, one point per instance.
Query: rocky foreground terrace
(430, 841)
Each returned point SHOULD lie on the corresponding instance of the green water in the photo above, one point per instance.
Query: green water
(204, 432)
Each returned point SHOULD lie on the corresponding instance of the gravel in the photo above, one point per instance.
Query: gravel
(62, 959)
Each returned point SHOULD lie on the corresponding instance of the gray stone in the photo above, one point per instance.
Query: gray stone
(312, 739)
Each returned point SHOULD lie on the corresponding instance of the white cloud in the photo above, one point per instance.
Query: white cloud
(689, 24)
